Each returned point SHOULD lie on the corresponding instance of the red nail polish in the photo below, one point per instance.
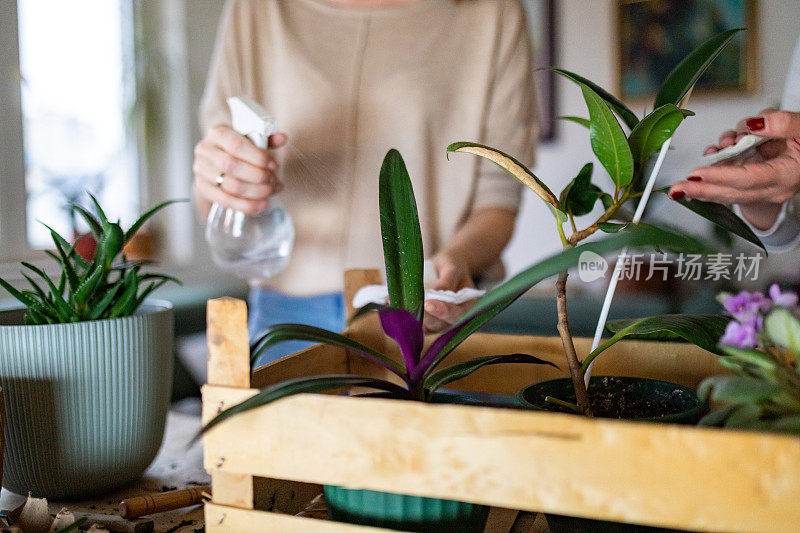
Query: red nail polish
(677, 195)
(755, 124)
(694, 178)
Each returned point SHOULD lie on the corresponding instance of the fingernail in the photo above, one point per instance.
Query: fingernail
(755, 124)
(677, 195)
(694, 178)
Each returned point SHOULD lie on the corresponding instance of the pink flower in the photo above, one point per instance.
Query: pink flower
(782, 299)
(745, 305)
(740, 335)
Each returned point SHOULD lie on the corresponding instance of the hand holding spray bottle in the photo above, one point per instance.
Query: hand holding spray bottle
(251, 246)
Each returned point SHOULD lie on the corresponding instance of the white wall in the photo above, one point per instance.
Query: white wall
(587, 42)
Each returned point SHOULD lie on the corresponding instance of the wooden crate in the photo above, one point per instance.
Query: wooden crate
(664, 475)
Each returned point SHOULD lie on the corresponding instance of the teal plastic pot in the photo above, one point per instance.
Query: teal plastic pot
(687, 407)
(85, 403)
(683, 399)
(404, 512)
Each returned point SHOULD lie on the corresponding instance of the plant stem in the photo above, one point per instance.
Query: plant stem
(575, 371)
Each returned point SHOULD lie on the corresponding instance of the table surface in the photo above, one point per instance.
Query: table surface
(175, 467)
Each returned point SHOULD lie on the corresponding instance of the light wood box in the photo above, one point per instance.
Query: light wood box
(665, 475)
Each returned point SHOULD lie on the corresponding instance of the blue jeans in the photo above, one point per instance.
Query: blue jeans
(270, 307)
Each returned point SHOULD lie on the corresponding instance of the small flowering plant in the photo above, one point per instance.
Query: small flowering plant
(761, 345)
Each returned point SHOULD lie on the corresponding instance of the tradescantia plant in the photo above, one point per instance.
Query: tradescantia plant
(761, 345)
(624, 157)
(89, 290)
(401, 320)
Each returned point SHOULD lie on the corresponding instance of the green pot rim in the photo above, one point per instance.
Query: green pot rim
(690, 416)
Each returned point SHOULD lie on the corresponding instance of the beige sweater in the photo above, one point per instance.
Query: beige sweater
(347, 84)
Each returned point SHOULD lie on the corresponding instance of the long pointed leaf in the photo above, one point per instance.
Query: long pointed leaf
(98, 210)
(608, 140)
(701, 330)
(147, 214)
(585, 122)
(653, 130)
(406, 331)
(300, 332)
(401, 235)
(510, 165)
(65, 312)
(688, 71)
(493, 302)
(299, 386)
(27, 300)
(627, 116)
(461, 370)
(723, 217)
(91, 220)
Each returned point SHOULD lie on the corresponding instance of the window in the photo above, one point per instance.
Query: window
(75, 96)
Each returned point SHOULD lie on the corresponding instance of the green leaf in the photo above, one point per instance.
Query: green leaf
(68, 249)
(627, 116)
(723, 217)
(749, 355)
(688, 71)
(122, 306)
(402, 239)
(94, 224)
(300, 332)
(701, 330)
(510, 165)
(580, 195)
(610, 227)
(717, 417)
(736, 389)
(577, 120)
(653, 131)
(455, 372)
(303, 385)
(99, 211)
(100, 307)
(65, 312)
(147, 214)
(782, 328)
(494, 301)
(608, 140)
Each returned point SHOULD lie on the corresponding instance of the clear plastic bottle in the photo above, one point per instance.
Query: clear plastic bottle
(251, 246)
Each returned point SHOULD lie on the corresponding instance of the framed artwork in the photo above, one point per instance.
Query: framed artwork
(655, 34)
(542, 26)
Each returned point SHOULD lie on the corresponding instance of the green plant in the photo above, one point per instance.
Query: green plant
(401, 320)
(624, 157)
(762, 350)
(89, 290)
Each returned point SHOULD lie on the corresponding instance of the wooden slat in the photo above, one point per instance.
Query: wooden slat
(228, 343)
(232, 489)
(664, 475)
(355, 279)
(223, 519)
(318, 359)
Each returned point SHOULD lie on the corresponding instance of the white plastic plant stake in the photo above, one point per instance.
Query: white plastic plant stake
(612, 286)
(251, 246)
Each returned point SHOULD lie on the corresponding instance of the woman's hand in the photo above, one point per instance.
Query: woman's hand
(759, 184)
(452, 274)
(249, 175)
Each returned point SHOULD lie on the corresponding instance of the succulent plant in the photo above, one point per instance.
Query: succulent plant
(762, 351)
(107, 286)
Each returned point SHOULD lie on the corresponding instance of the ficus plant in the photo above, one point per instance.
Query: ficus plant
(419, 374)
(106, 286)
(624, 156)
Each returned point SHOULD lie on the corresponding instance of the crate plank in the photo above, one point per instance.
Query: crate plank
(224, 519)
(228, 343)
(666, 475)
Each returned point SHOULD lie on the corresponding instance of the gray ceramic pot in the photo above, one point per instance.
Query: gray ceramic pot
(85, 403)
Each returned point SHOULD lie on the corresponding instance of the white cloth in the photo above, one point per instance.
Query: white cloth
(379, 294)
(784, 235)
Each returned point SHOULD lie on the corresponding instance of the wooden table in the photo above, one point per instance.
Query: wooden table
(175, 467)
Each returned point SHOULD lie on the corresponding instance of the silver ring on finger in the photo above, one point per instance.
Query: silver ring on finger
(219, 179)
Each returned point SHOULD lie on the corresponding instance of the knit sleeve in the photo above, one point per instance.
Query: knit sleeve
(510, 121)
(225, 73)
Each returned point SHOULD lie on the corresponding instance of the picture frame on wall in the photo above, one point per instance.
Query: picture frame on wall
(655, 34)
(542, 28)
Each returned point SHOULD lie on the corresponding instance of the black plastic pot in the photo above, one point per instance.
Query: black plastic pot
(683, 399)
(404, 512)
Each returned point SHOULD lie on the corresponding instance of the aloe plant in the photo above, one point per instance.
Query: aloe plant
(107, 286)
(623, 156)
(762, 351)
